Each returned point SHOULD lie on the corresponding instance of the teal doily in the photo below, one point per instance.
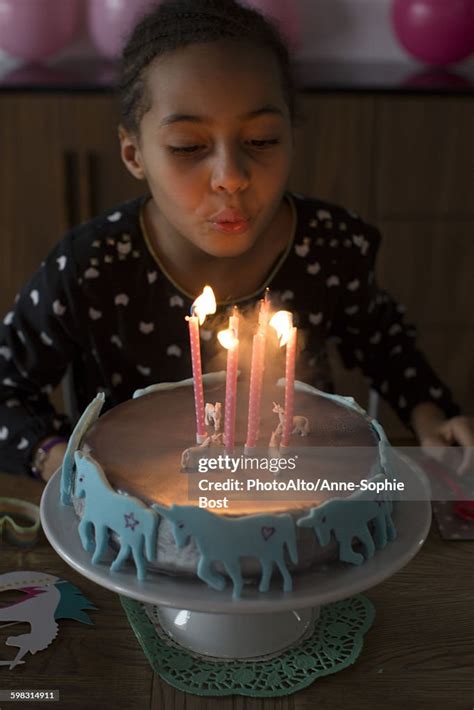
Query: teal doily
(335, 644)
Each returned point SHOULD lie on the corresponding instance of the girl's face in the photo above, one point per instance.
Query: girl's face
(216, 144)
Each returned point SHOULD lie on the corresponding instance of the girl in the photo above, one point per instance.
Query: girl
(207, 121)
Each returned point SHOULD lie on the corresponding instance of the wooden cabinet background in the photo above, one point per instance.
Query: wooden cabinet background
(405, 163)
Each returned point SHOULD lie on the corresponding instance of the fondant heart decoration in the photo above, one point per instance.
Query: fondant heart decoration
(94, 261)
(116, 379)
(410, 372)
(396, 328)
(267, 532)
(6, 352)
(34, 295)
(3, 433)
(108, 259)
(114, 217)
(333, 281)
(62, 261)
(436, 392)
(152, 276)
(287, 295)
(96, 243)
(58, 308)
(144, 370)
(23, 444)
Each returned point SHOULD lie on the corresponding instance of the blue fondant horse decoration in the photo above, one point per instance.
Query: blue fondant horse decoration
(226, 540)
(349, 518)
(105, 511)
(88, 417)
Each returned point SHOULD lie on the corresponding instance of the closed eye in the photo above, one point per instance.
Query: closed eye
(264, 143)
(185, 150)
(190, 149)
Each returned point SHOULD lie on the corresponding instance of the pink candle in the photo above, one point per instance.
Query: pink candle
(229, 339)
(204, 304)
(193, 323)
(289, 386)
(256, 376)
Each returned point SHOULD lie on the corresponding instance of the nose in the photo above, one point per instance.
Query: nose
(230, 172)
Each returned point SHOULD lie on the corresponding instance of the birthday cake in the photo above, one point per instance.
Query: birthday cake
(140, 484)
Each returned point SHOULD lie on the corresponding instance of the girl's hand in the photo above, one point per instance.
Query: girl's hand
(435, 433)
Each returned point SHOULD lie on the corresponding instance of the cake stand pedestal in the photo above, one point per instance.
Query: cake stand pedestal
(213, 623)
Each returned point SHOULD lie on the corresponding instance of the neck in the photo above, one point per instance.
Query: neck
(230, 277)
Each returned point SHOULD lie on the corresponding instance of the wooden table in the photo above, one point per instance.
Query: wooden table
(418, 654)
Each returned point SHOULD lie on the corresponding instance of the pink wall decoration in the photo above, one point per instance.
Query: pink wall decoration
(34, 30)
(111, 21)
(284, 13)
(435, 31)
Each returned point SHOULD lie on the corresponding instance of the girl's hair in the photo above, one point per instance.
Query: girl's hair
(178, 23)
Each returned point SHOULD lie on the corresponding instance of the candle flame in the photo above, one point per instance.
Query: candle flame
(227, 338)
(282, 321)
(204, 305)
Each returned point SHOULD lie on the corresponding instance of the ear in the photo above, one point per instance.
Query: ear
(130, 153)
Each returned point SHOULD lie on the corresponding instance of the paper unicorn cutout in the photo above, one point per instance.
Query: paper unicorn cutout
(88, 417)
(47, 599)
(106, 511)
(349, 518)
(228, 539)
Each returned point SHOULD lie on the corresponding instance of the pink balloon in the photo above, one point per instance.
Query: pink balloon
(36, 29)
(284, 13)
(435, 31)
(112, 21)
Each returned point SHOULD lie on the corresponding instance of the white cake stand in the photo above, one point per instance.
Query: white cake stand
(212, 623)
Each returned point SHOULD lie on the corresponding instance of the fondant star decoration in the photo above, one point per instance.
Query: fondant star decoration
(131, 521)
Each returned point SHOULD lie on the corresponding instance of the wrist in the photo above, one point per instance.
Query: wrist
(426, 417)
(47, 457)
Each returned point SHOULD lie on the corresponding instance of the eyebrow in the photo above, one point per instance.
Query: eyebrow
(190, 118)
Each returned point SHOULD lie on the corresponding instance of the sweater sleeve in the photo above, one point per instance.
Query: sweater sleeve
(38, 338)
(372, 333)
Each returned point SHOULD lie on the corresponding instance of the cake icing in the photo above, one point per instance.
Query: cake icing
(132, 456)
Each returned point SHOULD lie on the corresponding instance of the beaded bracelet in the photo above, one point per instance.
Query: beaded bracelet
(41, 455)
